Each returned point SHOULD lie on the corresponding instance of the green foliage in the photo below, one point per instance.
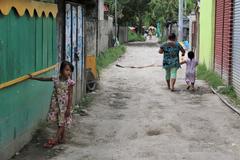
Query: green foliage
(163, 11)
(211, 77)
(86, 100)
(229, 90)
(133, 37)
(162, 39)
(120, 6)
(135, 9)
(215, 81)
(85, 103)
(130, 11)
(149, 12)
(108, 57)
(190, 6)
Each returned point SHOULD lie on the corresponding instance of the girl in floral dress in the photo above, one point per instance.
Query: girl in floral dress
(191, 64)
(61, 101)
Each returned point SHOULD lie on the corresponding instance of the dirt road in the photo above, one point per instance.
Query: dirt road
(134, 117)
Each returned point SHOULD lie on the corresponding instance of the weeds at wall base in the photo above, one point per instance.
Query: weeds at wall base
(134, 37)
(85, 103)
(103, 61)
(109, 56)
(215, 81)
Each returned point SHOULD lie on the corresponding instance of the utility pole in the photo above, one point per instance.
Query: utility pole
(180, 21)
(116, 24)
(185, 7)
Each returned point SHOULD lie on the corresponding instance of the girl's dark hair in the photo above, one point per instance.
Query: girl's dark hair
(172, 37)
(64, 64)
(191, 55)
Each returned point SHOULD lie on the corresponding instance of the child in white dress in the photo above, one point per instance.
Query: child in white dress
(191, 64)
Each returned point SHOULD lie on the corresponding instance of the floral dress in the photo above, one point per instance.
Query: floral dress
(59, 102)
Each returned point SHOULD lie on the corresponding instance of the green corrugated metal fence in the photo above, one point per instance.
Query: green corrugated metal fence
(27, 44)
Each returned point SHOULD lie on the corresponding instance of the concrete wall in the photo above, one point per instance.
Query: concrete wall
(192, 19)
(105, 34)
(91, 44)
(90, 36)
(207, 32)
(123, 34)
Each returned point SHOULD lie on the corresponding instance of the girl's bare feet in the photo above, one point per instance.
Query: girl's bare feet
(192, 88)
(50, 143)
(62, 141)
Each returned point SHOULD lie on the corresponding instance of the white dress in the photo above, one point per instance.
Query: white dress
(191, 70)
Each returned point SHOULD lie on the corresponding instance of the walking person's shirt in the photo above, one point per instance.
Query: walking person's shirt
(171, 54)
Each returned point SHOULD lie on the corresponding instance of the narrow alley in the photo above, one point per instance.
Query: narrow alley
(134, 117)
(84, 80)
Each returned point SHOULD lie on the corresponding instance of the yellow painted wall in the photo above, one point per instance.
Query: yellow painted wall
(91, 64)
(207, 32)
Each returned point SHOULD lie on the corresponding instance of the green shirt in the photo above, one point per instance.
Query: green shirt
(171, 54)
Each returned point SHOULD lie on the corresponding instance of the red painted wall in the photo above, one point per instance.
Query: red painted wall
(223, 38)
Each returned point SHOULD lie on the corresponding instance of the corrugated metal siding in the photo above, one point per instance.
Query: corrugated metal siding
(26, 44)
(74, 45)
(223, 36)
(219, 35)
(236, 47)
(227, 41)
(80, 47)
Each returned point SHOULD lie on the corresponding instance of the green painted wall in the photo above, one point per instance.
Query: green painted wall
(27, 44)
(207, 32)
(22, 107)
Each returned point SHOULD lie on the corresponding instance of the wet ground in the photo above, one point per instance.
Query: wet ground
(134, 117)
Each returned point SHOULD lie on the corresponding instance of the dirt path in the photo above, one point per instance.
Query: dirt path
(134, 117)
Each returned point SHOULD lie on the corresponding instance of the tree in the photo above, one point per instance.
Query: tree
(166, 11)
(149, 12)
(131, 11)
(134, 11)
(190, 6)
(120, 6)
